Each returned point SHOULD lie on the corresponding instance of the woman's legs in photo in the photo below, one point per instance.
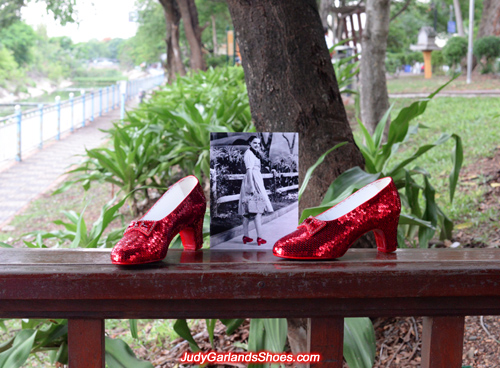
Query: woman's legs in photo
(258, 224)
(246, 220)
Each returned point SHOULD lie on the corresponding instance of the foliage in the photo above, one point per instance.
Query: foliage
(380, 162)
(75, 231)
(437, 59)
(8, 66)
(455, 50)
(345, 69)
(19, 38)
(489, 49)
(359, 342)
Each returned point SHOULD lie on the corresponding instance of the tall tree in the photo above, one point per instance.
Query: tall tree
(458, 18)
(490, 20)
(174, 55)
(291, 84)
(374, 97)
(292, 88)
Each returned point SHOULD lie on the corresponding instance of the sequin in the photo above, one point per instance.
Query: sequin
(315, 238)
(148, 241)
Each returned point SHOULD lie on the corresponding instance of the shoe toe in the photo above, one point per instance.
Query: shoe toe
(132, 249)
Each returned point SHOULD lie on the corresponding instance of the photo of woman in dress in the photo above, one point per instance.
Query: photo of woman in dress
(254, 200)
(253, 189)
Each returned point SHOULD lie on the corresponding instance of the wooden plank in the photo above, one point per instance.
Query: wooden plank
(442, 342)
(326, 338)
(86, 343)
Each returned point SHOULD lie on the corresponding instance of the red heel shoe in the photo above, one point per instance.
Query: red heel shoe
(329, 235)
(246, 239)
(261, 241)
(179, 211)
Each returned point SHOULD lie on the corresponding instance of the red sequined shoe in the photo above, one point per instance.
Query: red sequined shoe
(246, 239)
(329, 235)
(261, 241)
(179, 211)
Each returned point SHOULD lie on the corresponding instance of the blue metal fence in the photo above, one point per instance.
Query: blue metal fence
(26, 130)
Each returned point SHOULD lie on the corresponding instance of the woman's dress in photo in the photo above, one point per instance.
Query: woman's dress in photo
(258, 202)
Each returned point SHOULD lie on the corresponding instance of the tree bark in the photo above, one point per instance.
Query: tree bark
(458, 18)
(174, 56)
(189, 15)
(292, 86)
(374, 97)
(490, 20)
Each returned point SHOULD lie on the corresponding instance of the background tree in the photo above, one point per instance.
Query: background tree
(374, 97)
(490, 19)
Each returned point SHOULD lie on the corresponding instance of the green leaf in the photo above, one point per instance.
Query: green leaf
(313, 167)
(231, 324)
(379, 130)
(62, 354)
(457, 159)
(133, 328)
(359, 342)
(256, 338)
(430, 214)
(119, 355)
(210, 329)
(182, 329)
(405, 219)
(17, 355)
(5, 245)
(276, 332)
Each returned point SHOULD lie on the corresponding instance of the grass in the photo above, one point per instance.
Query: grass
(477, 122)
(417, 83)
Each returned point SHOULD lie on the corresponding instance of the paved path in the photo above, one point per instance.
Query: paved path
(271, 231)
(23, 181)
(477, 93)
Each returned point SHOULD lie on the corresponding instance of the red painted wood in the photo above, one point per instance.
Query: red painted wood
(326, 338)
(442, 342)
(86, 343)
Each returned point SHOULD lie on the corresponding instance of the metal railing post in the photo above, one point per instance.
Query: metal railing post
(113, 97)
(58, 102)
(19, 114)
(83, 104)
(72, 101)
(123, 92)
(92, 108)
(107, 99)
(40, 109)
(100, 101)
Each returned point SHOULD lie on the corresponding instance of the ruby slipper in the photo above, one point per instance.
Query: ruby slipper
(179, 211)
(375, 207)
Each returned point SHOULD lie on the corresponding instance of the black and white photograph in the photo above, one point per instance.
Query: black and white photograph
(254, 182)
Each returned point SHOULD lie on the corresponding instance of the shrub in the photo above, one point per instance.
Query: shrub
(455, 50)
(392, 63)
(489, 49)
(437, 59)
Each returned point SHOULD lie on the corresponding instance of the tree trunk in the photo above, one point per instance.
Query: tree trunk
(458, 18)
(490, 20)
(214, 36)
(374, 97)
(174, 58)
(193, 31)
(292, 86)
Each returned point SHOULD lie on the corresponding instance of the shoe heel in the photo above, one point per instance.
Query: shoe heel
(192, 236)
(386, 236)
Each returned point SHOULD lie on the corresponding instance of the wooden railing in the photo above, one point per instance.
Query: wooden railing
(83, 286)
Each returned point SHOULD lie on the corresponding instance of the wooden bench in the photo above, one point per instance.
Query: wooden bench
(83, 286)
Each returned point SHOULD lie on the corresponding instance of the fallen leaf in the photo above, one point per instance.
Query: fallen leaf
(464, 225)
(495, 185)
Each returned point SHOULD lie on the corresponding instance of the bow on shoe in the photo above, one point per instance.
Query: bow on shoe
(312, 225)
(145, 227)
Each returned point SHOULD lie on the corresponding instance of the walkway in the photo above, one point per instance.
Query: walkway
(471, 93)
(23, 181)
